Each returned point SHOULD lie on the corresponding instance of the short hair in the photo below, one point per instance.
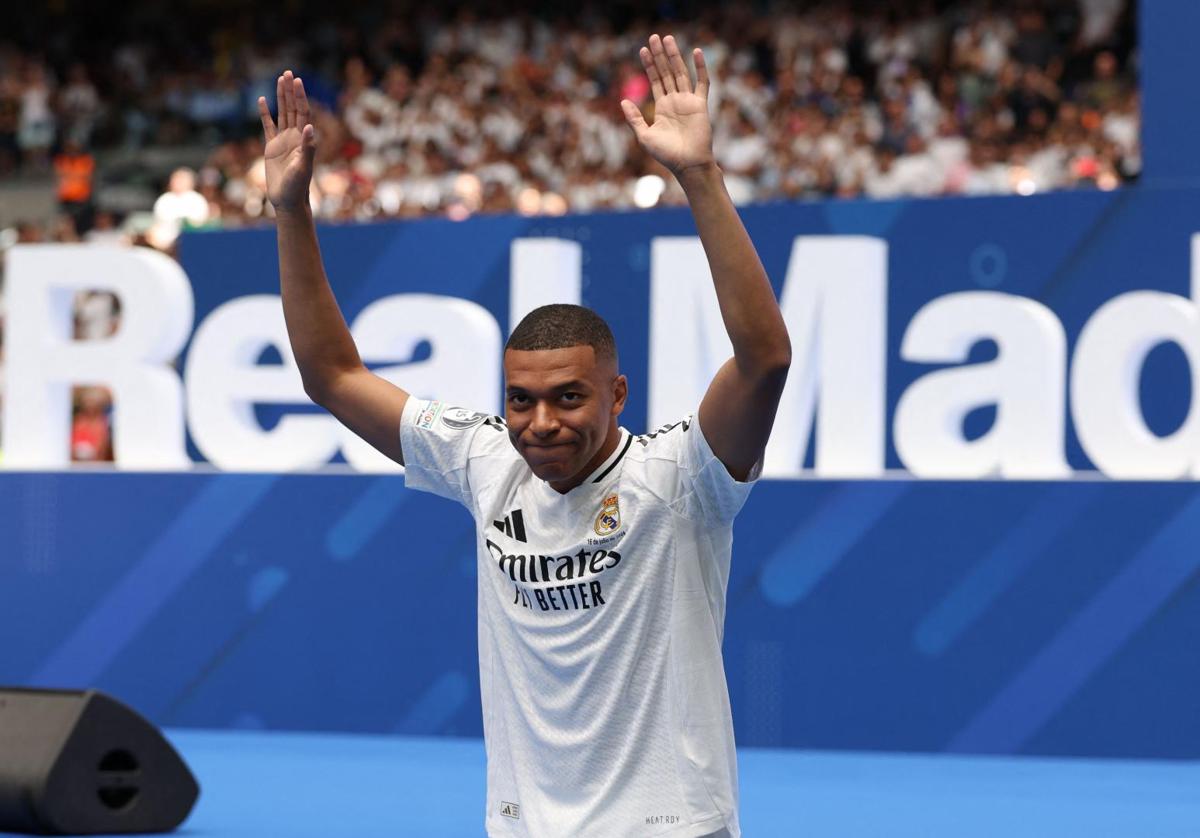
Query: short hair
(561, 325)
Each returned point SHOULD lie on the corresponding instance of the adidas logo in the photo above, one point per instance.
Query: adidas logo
(512, 525)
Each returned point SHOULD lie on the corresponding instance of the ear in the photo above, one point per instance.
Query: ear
(620, 393)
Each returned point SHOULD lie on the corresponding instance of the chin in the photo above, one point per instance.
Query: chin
(552, 471)
(549, 471)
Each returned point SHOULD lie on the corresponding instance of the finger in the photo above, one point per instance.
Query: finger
(308, 141)
(634, 117)
(679, 70)
(280, 104)
(289, 97)
(701, 72)
(264, 114)
(661, 63)
(656, 85)
(302, 111)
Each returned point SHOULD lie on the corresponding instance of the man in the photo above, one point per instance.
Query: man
(603, 558)
(76, 169)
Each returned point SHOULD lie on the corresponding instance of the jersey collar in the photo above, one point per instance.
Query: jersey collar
(606, 468)
(598, 475)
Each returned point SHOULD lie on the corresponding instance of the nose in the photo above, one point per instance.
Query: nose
(544, 423)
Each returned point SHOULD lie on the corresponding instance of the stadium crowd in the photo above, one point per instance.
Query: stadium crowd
(464, 108)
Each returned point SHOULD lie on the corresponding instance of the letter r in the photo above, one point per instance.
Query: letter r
(44, 361)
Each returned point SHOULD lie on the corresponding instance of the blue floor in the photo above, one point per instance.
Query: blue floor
(300, 785)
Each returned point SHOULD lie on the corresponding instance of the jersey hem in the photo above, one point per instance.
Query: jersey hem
(695, 829)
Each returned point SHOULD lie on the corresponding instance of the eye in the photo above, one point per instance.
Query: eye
(571, 397)
(518, 399)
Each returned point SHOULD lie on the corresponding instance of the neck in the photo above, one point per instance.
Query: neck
(609, 446)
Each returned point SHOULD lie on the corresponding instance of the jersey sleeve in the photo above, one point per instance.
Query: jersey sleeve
(444, 447)
(699, 486)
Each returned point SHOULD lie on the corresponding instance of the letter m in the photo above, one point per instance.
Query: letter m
(835, 305)
(516, 566)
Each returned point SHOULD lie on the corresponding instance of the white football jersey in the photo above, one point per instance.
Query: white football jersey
(601, 611)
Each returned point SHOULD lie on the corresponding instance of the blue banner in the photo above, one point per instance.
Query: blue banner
(981, 617)
(1071, 252)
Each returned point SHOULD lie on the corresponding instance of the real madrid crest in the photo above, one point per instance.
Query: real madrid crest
(609, 519)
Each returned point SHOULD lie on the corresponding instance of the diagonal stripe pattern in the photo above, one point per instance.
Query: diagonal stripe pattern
(1088, 641)
(180, 551)
(1055, 512)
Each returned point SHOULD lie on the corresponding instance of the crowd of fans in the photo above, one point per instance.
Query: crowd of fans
(463, 108)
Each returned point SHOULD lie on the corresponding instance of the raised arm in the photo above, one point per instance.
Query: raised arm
(333, 373)
(738, 410)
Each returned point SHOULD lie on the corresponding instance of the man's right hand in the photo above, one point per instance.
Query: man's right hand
(290, 145)
(330, 367)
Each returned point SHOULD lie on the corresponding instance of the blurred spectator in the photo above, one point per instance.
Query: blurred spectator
(10, 122)
(36, 120)
(180, 205)
(106, 230)
(78, 107)
(75, 169)
(1100, 19)
(91, 438)
(1105, 86)
(97, 314)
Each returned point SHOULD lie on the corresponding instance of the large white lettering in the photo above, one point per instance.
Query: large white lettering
(44, 362)
(1107, 370)
(1026, 383)
(688, 342)
(225, 382)
(541, 272)
(463, 366)
(834, 302)
(835, 305)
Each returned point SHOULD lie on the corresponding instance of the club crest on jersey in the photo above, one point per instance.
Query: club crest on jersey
(609, 519)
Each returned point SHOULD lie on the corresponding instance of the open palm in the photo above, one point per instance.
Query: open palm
(681, 134)
(290, 145)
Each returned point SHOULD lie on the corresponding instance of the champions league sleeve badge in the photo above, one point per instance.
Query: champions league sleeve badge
(609, 519)
(459, 418)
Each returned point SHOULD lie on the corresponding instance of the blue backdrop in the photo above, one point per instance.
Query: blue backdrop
(1071, 251)
(1050, 618)
(995, 617)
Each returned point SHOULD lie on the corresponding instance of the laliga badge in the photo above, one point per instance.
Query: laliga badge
(609, 519)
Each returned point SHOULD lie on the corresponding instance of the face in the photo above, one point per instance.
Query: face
(562, 406)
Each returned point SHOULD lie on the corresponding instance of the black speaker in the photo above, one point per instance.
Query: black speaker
(83, 763)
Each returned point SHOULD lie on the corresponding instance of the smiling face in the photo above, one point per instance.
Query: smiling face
(561, 406)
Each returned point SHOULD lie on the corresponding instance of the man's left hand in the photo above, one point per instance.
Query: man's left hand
(681, 136)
